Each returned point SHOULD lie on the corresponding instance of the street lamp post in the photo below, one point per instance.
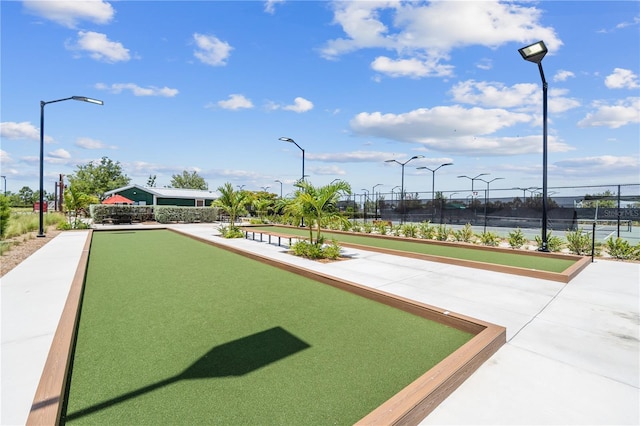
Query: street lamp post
(42, 104)
(534, 53)
(283, 139)
(486, 198)
(433, 183)
(402, 182)
(364, 205)
(375, 201)
(280, 182)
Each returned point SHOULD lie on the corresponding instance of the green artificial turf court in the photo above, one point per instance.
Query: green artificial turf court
(176, 331)
(516, 259)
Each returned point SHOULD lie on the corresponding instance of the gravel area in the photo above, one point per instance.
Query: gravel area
(23, 247)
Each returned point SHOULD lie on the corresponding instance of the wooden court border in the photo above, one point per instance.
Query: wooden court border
(565, 276)
(407, 407)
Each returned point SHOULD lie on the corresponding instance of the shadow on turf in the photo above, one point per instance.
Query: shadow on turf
(235, 358)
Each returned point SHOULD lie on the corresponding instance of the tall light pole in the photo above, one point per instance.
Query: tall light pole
(486, 199)
(402, 183)
(364, 205)
(397, 186)
(473, 178)
(433, 183)
(375, 201)
(283, 139)
(534, 53)
(280, 182)
(42, 104)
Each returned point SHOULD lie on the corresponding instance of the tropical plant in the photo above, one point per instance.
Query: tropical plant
(77, 202)
(409, 230)
(317, 204)
(621, 249)
(464, 234)
(516, 239)
(554, 243)
(231, 202)
(578, 241)
(489, 238)
(442, 233)
(426, 230)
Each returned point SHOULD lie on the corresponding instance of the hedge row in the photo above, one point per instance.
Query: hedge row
(161, 214)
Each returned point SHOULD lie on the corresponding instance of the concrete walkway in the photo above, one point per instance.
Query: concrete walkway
(572, 356)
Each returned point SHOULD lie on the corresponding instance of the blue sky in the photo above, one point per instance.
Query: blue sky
(210, 86)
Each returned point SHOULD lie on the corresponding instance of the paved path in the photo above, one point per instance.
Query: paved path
(572, 356)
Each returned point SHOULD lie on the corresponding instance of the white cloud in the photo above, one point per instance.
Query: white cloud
(211, 50)
(137, 90)
(236, 101)
(99, 47)
(270, 5)
(60, 153)
(604, 165)
(413, 67)
(88, 143)
(493, 94)
(299, 105)
(429, 32)
(327, 171)
(69, 13)
(622, 79)
(563, 75)
(559, 103)
(16, 131)
(351, 157)
(454, 129)
(626, 111)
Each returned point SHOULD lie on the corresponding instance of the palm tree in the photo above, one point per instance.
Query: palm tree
(232, 202)
(318, 204)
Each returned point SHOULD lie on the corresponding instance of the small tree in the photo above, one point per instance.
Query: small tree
(96, 178)
(5, 214)
(77, 201)
(189, 180)
(318, 204)
(231, 202)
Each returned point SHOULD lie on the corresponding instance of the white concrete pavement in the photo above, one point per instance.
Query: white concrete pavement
(572, 356)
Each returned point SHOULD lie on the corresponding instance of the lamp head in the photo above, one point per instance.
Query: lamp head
(534, 52)
(85, 99)
(283, 139)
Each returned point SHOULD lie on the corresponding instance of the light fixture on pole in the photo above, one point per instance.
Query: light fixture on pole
(402, 183)
(280, 186)
(240, 187)
(375, 201)
(534, 53)
(42, 104)
(283, 139)
(264, 188)
(433, 183)
(486, 199)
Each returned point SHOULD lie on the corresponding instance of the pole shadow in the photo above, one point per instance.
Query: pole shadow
(232, 359)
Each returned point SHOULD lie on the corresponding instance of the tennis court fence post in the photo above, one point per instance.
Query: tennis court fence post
(593, 240)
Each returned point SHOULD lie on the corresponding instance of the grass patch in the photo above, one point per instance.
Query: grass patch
(177, 331)
(520, 260)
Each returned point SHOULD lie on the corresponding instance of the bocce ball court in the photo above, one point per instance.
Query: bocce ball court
(164, 328)
(559, 267)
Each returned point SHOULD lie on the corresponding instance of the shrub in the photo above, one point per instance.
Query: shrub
(489, 239)
(409, 230)
(553, 243)
(381, 227)
(368, 228)
(465, 234)
(621, 249)
(516, 239)
(5, 214)
(230, 231)
(578, 241)
(426, 230)
(396, 230)
(442, 233)
(316, 250)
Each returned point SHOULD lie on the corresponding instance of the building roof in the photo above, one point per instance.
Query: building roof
(169, 192)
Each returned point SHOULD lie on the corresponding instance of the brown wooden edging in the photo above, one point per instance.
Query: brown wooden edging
(408, 407)
(565, 276)
(48, 400)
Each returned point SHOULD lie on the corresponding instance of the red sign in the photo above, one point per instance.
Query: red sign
(36, 207)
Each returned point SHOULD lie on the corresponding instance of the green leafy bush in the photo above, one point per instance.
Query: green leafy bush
(465, 234)
(622, 249)
(578, 242)
(5, 214)
(230, 231)
(490, 239)
(442, 233)
(409, 230)
(426, 230)
(316, 250)
(554, 243)
(516, 239)
(368, 227)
